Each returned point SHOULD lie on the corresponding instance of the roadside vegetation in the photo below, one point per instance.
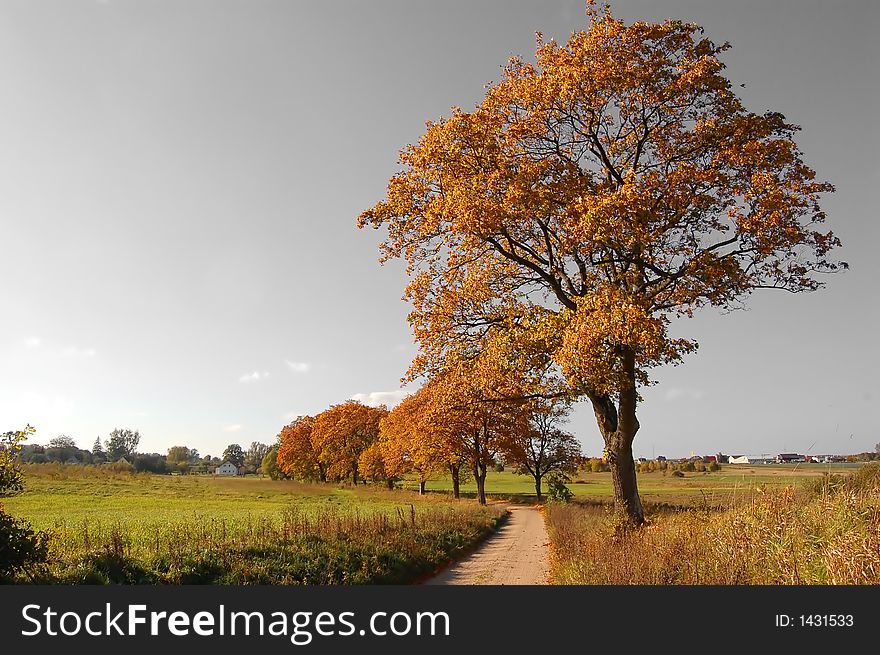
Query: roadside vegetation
(822, 530)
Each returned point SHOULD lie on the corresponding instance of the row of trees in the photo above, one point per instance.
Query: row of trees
(122, 445)
(446, 427)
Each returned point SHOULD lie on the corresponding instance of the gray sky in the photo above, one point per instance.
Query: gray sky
(179, 184)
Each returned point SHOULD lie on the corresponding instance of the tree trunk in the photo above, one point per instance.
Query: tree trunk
(421, 487)
(354, 474)
(480, 477)
(456, 482)
(538, 488)
(618, 426)
(390, 483)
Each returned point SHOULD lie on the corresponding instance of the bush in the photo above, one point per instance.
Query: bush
(21, 547)
(713, 466)
(677, 474)
(556, 489)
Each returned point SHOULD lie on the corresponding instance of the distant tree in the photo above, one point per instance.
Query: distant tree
(149, 462)
(181, 458)
(122, 443)
(297, 456)
(63, 449)
(177, 455)
(98, 453)
(269, 465)
(234, 454)
(877, 448)
(544, 448)
(253, 458)
(32, 454)
(62, 441)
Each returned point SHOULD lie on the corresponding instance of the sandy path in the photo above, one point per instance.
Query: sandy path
(516, 554)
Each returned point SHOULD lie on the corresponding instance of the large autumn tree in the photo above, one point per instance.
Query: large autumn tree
(615, 184)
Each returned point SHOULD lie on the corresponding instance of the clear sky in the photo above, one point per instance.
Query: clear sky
(180, 180)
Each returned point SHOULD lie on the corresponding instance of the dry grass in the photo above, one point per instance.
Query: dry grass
(828, 533)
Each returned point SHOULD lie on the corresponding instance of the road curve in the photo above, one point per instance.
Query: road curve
(515, 555)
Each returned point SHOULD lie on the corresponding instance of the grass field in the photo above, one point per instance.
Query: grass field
(734, 483)
(140, 528)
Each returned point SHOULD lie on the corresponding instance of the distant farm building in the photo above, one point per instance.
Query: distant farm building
(226, 468)
(783, 458)
(737, 459)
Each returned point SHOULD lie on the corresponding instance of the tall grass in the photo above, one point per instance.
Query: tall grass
(331, 548)
(827, 534)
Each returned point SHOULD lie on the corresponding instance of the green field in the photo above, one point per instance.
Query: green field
(150, 529)
(733, 483)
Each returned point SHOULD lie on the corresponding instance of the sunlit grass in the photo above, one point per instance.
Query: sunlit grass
(820, 531)
(141, 528)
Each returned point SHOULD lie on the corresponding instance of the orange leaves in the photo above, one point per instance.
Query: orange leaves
(588, 198)
(605, 323)
(342, 433)
(296, 455)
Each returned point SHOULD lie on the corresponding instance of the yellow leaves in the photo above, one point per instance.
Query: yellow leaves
(597, 332)
(591, 195)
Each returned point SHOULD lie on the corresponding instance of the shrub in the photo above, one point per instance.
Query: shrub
(21, 547)
(557, 491)
(677, 474)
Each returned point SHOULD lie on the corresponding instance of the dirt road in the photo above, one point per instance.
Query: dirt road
(516, 554)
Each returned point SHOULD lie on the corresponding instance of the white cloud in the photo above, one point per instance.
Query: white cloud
(298, 367)
(232, 428)
(33, 342)
(256, 376)
(683, 393)
(290, 416)
(376, 398)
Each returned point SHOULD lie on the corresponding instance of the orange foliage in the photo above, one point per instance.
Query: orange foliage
(296, 456)
(590, 198)
(342, 433)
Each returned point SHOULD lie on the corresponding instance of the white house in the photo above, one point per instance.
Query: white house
(738, 459)
(226, 468)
